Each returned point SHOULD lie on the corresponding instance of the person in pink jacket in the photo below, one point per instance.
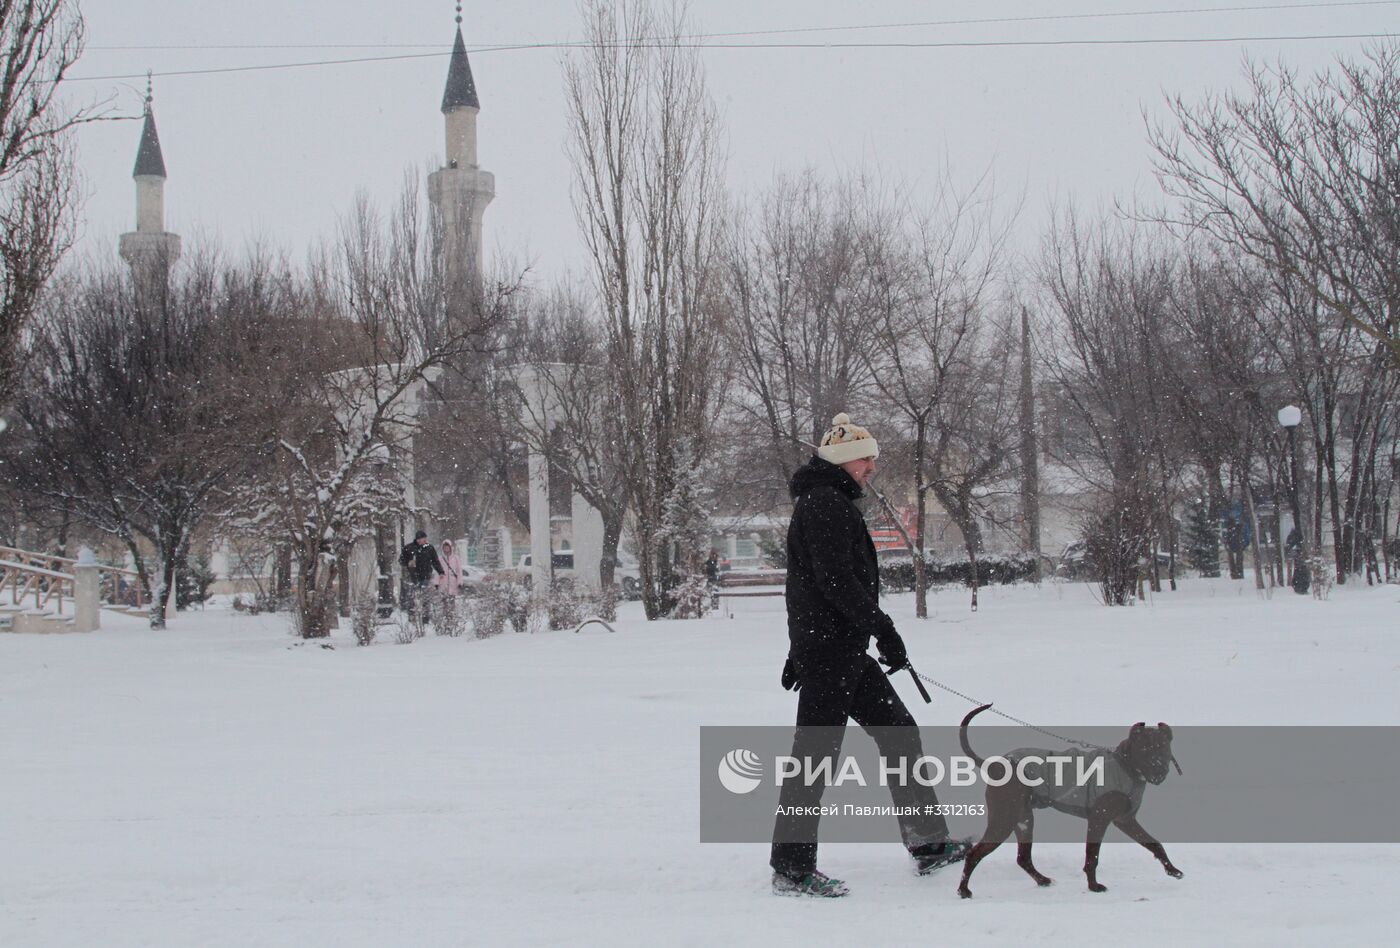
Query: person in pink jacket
(449, 583)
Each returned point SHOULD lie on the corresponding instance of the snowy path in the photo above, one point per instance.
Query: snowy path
(220, 784)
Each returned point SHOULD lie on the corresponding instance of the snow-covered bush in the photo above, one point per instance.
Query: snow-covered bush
(192, 581)
(1321, 576)
(1202, 536)
(408, 627)
(535, 617)
(692, 598)
(497, 604)
(604, 605)
(897, 575)
(364, 619)
(1115, 542)
(565, 607)
(685, 535)
(487, 617)
(449, 616)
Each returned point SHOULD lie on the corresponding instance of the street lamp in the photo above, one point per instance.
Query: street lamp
(1288, 418)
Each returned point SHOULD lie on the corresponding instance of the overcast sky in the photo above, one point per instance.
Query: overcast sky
(280, 154)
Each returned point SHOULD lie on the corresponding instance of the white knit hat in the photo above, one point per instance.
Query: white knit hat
(847, 442)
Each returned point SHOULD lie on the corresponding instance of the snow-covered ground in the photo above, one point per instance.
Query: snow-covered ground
(220, 783)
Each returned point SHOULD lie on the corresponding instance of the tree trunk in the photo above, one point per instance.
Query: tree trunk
(1327, 460)
(1385, 516)
(1030, 461)
(1253, 532)
(1167, 533)
(920, 515)
(282, 575)
(342, 574)
(138, 563)
(313, 604)
(972, 542)
(170, 542)
(959, 508)
(612, 537)
(63, 526)
(650, 564)
(1234, 553)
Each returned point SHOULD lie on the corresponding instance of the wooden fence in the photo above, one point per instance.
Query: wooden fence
(28, 573)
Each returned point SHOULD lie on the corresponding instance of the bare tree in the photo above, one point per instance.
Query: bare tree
(1304, 177)
(1106, 285)
(798, 333)
(344, 448)
(470, 458)
(644, 143)
(1028, 444)
(140, 406)
(934, 356)
(1216, 376)
(567, 349)
(39, 41)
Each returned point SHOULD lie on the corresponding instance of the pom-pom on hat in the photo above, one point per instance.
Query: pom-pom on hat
(847, 442)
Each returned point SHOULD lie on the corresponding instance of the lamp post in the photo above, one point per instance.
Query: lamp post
(1288, 418)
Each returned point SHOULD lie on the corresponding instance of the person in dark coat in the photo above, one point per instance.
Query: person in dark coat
(419, 561)
(833, 607)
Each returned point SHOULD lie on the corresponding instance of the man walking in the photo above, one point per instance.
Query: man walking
(833, 590)
(419, 560)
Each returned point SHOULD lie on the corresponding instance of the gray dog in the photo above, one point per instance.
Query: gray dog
(1140, 759)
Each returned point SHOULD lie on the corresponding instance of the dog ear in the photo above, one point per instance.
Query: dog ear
(1162, 726)
(1140, 726)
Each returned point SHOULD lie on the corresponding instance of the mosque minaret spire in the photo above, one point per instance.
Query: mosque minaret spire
(461, 190)
(150, 245)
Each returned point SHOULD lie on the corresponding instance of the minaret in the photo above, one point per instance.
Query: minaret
(460, 190)
(149, 250)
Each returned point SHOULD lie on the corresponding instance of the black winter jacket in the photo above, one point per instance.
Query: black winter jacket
(419, 560)
(833, 579)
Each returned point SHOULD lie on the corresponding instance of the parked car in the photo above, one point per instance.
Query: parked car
(627, 575)
(563, 563)
(1074, 562)
(473, 577)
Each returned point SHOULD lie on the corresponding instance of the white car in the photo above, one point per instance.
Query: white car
(563, 563)
(524, 568)
(626, 573)
(473, 576)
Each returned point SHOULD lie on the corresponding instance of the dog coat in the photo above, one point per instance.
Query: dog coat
(1068, 795)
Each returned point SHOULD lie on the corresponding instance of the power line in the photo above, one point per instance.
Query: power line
(1040, 18)
(658, 44)
(978, 21)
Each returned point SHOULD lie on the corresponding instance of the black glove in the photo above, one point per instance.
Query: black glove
(790, 682)
(892, 651)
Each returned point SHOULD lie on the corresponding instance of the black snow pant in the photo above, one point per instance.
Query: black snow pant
(863, 693)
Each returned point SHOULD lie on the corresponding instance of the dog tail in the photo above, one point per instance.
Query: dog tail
(962, 733)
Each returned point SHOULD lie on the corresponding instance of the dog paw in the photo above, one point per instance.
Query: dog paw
(1044, 881)
(1174, 872)
(1097, 887)
(964, 892)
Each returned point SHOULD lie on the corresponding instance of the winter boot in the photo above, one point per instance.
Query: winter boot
(931, 857)
(811, 884)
